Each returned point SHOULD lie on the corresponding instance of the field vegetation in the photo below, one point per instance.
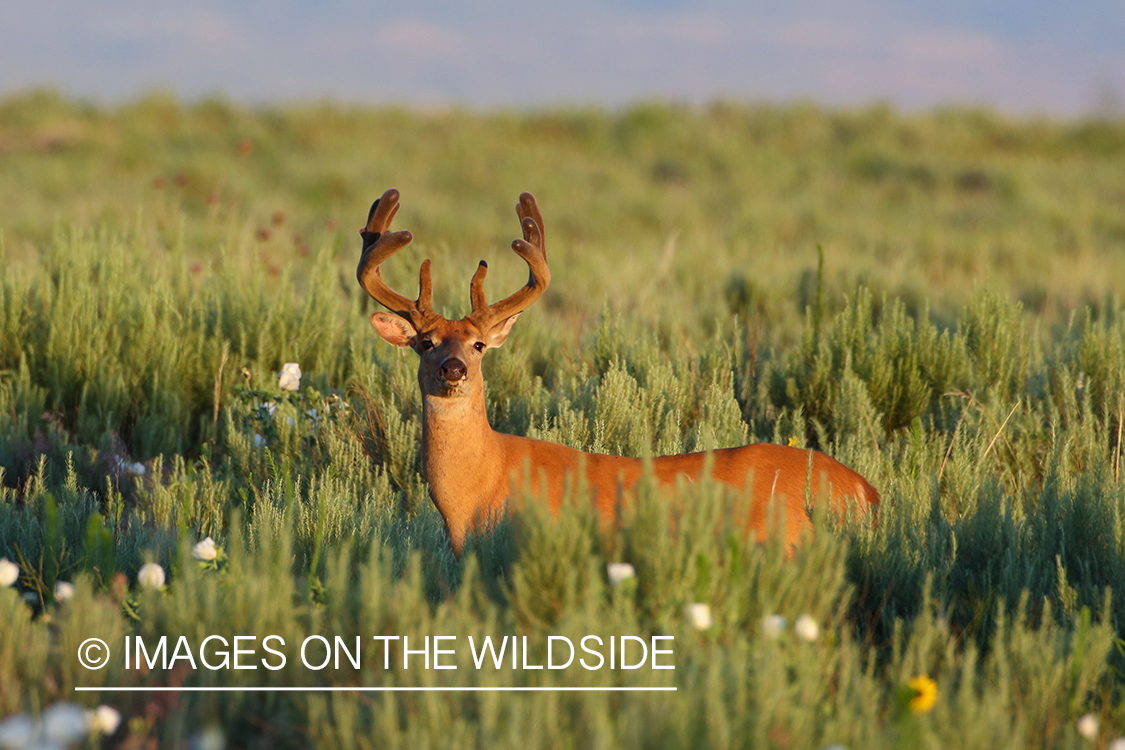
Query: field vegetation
(934, 299)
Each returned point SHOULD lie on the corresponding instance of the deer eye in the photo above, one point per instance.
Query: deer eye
(479, 346)
(425, 345)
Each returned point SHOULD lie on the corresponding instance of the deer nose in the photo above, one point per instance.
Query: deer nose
(453, 369)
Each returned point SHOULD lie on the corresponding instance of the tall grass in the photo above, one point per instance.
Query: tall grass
(952, 342)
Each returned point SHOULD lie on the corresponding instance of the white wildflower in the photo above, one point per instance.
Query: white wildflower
(270, 407)
(136, 468)
(806, 628)
(290, 379)
(64, 591)
(258, 440)
(1088, 726)
(151, 576)
(16, 732)
(64, 723)
(1117, 744)
(205, 550)
(9, 572)
(699, 615)
(619, 572)
(210, 738)
(773, 626)
(103, 719)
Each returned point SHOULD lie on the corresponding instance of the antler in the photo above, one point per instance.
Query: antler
(378, 245)
(532, 249)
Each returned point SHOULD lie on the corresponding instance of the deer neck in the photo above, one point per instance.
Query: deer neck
(462, 458)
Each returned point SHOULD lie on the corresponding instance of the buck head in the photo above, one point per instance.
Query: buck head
(449, 351)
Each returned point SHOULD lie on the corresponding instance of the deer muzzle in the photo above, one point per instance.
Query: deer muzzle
(453, 370)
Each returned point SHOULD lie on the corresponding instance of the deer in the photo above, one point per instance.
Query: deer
(474, 472)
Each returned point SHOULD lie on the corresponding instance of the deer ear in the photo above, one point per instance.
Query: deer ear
(394, 330)
(499, 334)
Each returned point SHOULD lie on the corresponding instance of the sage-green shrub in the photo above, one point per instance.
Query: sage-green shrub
(930, 298)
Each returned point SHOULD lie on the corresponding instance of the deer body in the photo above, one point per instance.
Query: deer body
(473, 471)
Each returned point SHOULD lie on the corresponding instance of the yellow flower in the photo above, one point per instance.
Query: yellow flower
(794, 442)
(925, 694)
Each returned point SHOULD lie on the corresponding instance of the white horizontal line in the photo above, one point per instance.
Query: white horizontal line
(374, 689)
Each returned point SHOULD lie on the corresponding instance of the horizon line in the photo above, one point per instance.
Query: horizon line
(559, 105)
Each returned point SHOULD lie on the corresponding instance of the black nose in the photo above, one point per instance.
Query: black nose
(453, 369)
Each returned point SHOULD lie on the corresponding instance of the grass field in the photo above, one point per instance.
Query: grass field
(933, 298)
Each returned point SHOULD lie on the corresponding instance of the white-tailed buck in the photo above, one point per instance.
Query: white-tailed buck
(471, 469)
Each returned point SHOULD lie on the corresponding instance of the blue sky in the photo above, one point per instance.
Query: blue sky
(1020, 57)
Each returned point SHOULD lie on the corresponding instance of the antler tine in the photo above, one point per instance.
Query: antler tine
(533, 250)
(476, 288)
(378, 245)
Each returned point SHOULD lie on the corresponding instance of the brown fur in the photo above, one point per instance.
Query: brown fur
(471, 470)
(470, 467)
